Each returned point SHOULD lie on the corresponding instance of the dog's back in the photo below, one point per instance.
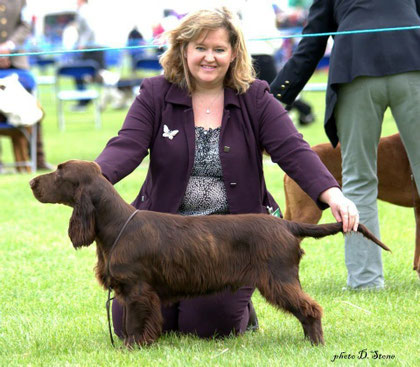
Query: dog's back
(394, 180)
(247, 229)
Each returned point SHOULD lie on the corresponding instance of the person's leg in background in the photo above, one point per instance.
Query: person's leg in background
(265, 67)
(304, 110)
(41, 161)
(404, 92)
(359, 114)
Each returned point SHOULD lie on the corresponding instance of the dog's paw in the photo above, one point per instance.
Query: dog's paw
(129, 342)
(317, 340)
(132, 341)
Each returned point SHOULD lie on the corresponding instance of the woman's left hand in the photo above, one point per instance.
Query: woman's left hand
(343, 209)
(4, 60)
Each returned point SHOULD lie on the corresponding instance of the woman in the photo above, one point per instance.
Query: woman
(205, 123)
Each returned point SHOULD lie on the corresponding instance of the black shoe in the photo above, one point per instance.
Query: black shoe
(253, 324)
(306, 119)
(45, 167)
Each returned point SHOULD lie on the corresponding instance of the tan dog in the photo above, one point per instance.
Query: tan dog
(395, 185)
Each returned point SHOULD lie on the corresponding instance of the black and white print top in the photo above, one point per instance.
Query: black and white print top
(205, 193)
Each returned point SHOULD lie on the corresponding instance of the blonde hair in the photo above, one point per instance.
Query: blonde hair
(240, 74)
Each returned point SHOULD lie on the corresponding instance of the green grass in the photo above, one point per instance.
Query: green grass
(52, 311)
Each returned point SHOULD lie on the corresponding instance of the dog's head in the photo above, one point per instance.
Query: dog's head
(72, 184)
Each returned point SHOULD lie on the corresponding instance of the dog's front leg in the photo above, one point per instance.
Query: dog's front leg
(143, 317)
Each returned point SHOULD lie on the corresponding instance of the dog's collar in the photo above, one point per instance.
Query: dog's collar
(120, 234)
(117, 239)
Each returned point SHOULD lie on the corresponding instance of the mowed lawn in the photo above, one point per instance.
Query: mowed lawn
(52, 310)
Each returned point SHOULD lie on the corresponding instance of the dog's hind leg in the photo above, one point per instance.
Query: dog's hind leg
(289, 296)
(143, 318)
(299, 206)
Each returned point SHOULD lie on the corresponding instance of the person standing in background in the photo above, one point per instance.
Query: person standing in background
(260, 38)
(15, 29)
(290, 16)
(86, 39)
(368, 73)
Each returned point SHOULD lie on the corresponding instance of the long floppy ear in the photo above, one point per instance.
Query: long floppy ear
(82, 222)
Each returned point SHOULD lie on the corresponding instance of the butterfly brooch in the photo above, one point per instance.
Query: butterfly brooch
(169, 133)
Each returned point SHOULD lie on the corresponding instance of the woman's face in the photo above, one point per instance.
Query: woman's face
(209, 57)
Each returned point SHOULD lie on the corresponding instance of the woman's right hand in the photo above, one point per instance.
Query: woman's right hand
(343, 209)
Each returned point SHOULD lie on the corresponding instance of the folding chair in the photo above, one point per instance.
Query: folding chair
(147, 66)
(77, 70)
(23, 159)
(42, 67)
(143, 67)
(22, 136)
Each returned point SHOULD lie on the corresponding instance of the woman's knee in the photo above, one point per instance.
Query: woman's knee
(217, 315)
(117, 318)
(169, 313)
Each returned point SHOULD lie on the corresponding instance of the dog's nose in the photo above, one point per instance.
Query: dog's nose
(33, 183)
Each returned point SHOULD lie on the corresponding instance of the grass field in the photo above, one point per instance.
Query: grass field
(52, 310)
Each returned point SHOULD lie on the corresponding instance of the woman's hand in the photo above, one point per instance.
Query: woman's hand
(4, 60)
(343, 209)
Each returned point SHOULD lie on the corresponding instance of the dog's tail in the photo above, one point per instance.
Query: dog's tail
(321, 230)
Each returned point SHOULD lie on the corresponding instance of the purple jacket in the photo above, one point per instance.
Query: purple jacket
(252, 122)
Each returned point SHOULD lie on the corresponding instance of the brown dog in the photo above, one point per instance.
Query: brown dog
(395, 185)
(159, 257)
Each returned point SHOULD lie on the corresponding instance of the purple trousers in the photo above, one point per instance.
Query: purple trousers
(218, 314)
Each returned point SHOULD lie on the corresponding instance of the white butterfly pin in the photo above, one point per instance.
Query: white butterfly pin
(169, 133)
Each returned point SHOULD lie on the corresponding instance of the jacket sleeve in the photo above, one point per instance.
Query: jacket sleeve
(126, 151)
(299, 68)
(286, 147)
(21, 31)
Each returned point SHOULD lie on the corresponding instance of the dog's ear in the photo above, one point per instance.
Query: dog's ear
(82, 222)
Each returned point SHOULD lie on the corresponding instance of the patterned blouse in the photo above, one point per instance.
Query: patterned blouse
(205, 192)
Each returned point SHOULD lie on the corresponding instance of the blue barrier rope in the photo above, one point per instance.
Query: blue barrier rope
(300, 35)
(37, 53)
(340, 33)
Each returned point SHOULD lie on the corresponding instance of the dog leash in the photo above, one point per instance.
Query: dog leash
(108, 302)
(107, 305)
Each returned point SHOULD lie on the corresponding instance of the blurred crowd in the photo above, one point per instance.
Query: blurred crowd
(76, 28)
